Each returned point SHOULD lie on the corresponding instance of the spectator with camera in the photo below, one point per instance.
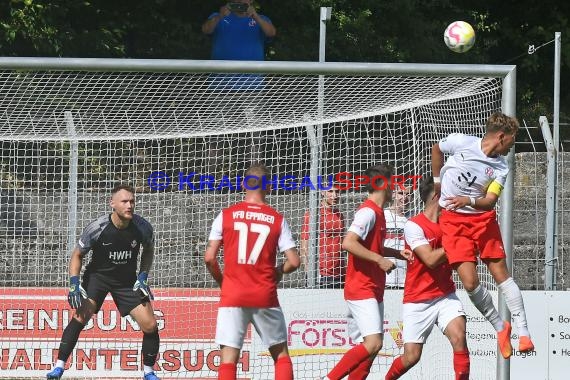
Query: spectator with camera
(238, 32)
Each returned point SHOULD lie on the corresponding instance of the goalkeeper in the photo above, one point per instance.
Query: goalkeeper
(115, 241)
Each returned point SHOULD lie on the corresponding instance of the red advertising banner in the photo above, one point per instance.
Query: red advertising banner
(32, 321)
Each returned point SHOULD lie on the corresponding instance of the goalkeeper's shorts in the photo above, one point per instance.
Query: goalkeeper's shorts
(98, 286)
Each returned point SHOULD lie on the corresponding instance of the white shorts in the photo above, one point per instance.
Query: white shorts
(365, 317)
(232, 324)
(419, 318)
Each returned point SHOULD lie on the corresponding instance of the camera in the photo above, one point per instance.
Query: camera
(237, 7)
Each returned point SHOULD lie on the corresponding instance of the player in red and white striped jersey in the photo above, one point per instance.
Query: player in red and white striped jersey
(251, 233)
(429, 292)
(366, 277)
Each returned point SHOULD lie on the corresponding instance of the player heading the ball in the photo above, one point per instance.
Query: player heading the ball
(470, 183)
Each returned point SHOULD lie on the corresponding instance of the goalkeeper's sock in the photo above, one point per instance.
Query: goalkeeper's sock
(284, 368)
(483, 301)
(150, 344)
(349, 362)
(461, 365)
(227, 371)
(69, 339)
(514, 300)
(396, 370)
(361, 372)
(59, 364)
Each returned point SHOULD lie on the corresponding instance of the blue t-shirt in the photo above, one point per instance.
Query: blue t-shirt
(238, 38)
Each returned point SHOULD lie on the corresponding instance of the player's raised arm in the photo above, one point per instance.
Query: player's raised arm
(437, 161)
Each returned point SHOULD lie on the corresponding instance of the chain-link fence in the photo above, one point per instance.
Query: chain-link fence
(530, 211)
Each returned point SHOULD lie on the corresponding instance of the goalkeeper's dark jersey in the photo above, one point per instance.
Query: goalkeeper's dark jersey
(115, 251)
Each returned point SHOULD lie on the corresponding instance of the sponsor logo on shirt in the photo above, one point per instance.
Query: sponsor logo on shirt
(120, 257)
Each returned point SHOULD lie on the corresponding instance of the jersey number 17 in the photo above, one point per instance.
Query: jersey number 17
(243, 229)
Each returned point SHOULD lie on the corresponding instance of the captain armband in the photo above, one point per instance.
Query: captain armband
(495, 188)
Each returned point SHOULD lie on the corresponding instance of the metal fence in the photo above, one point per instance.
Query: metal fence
(531, 211)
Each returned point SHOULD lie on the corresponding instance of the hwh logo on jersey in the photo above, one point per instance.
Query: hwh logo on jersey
(120, 255)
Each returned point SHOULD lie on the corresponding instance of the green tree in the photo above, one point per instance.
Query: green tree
(360, 30)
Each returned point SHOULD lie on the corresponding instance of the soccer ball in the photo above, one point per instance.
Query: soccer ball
(459, 36)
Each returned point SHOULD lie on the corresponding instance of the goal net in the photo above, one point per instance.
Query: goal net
(183, 139)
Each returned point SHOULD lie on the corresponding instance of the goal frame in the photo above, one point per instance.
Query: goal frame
(508, 106)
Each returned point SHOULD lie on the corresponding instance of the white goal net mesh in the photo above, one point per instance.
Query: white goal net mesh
(182, 140)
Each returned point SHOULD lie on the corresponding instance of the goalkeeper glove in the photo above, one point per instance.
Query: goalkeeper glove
(76, 293)
(141, 285)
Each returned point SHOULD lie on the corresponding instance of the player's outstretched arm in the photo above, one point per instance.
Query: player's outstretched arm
(211, 260)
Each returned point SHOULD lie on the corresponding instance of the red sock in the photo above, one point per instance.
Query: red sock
(396, 369)
(349, 362)
(461, 365)
(284, 368)
(361, 372)
(227, 371)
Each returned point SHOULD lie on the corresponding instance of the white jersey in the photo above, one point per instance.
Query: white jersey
(468, 172)
(395, 239)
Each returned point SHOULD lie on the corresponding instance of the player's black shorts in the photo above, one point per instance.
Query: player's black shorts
(98, 286)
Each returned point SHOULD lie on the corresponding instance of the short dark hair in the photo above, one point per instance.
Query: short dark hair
(499, 122)
(383, 173)
(426, 188)
(120, 187)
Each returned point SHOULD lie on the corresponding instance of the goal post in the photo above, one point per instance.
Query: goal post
(182, 133)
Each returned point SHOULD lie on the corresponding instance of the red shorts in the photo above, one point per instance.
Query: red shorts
(465, 235)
